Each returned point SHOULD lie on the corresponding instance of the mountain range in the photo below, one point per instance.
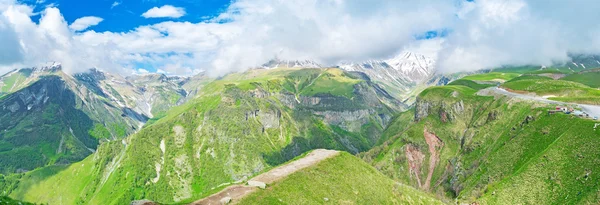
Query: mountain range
(422, 137)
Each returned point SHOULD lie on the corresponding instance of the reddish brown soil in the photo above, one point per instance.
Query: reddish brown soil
(235, 192)
(415, 161)
(435, 144)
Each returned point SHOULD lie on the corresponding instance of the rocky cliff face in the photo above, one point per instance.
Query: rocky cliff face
(446, 110)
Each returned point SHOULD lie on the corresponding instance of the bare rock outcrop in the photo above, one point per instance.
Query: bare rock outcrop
(447, 111)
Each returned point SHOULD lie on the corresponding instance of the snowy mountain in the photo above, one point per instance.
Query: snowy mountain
(400, 75)
(417, 67)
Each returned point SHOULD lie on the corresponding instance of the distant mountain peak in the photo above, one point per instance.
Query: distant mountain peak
(48, 67)
(412, 64)
(405, 67)
(279, 63)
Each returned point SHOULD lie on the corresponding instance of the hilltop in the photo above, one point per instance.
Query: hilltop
(339, 179)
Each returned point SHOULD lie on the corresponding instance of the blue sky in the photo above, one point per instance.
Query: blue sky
(459, 34)
(127, 14)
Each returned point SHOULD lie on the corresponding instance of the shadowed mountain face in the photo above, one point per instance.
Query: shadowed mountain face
(41, 125)
(49, 117)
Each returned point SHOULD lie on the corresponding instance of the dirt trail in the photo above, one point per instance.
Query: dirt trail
(434, 144)
(236, 192)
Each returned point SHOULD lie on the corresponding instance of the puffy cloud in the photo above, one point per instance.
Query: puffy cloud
(164, 11)
(481, 34)
(492, 33)
(142, 71)
(51, 40)
(10, 51)
(83, 23)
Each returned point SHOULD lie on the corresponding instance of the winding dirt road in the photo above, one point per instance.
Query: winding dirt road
(235, 192)
(593, 110)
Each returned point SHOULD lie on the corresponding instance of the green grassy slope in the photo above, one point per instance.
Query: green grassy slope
(238, 127)
(56, 119)
(343, 179)
(64, 184)
(558, 170)
(39, 131)
(563, 90)
(492, 150)
(470, 84)
(591, 79)
(14, 81)
(492, 76)
(8, 201)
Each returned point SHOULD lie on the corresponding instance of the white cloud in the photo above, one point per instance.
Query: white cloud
(10, 51)
(142, 71)
(493, 33)
(166, 11)
(85, 22)
(52, 40)
(115, 4)
(483, 34)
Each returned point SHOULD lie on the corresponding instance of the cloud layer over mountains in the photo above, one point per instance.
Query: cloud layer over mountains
(481, 34)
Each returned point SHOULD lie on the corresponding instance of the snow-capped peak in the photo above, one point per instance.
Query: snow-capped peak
(405, 67)
(409, 62)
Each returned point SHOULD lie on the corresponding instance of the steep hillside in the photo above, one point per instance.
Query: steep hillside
(21, 78)
(149, 95)
(490, 150)
(590, 78)
(8, 201)
(238, 127)
(343, 179)
(51, 117)
(55, 120)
